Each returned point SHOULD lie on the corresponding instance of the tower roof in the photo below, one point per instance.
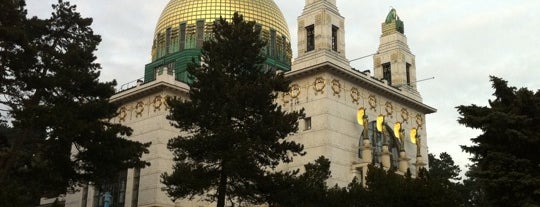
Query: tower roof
(392, 24)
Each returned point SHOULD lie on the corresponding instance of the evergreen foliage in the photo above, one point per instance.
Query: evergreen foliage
(232, 132)
(506, 165)
(56, 132)
(381, 187)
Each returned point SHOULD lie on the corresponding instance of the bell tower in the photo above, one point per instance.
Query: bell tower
(321, 35)
(394, 61)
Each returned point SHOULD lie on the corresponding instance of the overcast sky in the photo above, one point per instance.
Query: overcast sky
(459, 42)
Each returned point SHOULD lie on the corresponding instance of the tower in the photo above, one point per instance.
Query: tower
(321, 35)
(394, 61)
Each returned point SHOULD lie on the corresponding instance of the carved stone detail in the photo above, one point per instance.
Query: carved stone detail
(355, 95)
(405, 115)
(419, 121)
(336, 87)
(139, 109)
(158, 102)
(122, 114)
(389, 109)
(319, 84)
(372, 101)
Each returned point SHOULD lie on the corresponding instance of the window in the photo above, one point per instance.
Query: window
(200, 33)
(182, 36)
(310, 38)
(117, 189)
(272, 50)
(408, 71)
(335, 38)
(167, 40)
(307, 123)
(135, 192)
(387, 73)
(378, 139)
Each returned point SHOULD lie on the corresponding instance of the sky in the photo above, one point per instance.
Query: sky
(459, 42)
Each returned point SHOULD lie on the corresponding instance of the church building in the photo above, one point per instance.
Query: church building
(353, 117)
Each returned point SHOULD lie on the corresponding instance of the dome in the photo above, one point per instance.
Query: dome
(185, 24)
(182, 19)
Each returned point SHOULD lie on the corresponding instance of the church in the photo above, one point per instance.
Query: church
(353, 117)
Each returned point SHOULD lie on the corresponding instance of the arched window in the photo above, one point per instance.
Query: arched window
(378, 139)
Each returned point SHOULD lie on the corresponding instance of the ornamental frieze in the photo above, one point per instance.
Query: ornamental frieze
(157, 103)
(139, 109)
(336, 87)
(389, 109)
(318, 85)
(404, 115)
(372, 101)
(355, 95)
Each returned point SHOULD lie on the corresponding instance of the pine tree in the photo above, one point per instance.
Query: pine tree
(506, 165)
(57, 112)
(233, 134)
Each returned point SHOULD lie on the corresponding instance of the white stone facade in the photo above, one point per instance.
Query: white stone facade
(323, 83)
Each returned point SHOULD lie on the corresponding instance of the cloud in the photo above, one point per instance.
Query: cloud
(460, 42)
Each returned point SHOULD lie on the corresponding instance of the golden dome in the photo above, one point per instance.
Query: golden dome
(185, 24)
(264, 12)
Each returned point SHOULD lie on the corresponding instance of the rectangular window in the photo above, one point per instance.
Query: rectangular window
(200, 33)
(272, 50)
(310, 38)
(117, 190)
(182, 36)
(408, 71)
(168, 41)
(283, 51)
(387, 73)
(307, 123)
(335, 38)
(135, 192)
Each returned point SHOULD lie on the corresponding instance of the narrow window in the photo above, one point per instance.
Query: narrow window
(310, 38)
(307, 123)
(335, 38)
(200, 33)
(168, 41)
(408, 71)
(84, 199)
(387, 73)
(283, 50)
(135, 192)
(182, 36)
(272, 43)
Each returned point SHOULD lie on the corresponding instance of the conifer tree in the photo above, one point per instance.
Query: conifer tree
(56, 132)
(233, 132)
(506, 165)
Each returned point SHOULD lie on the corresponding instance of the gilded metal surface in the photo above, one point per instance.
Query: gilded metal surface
(265, 12)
